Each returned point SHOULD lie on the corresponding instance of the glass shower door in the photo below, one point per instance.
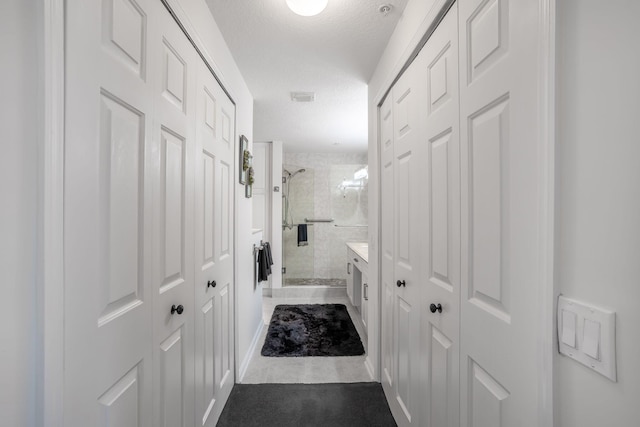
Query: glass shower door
(297, 204)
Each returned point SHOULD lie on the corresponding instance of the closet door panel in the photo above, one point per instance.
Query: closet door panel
(172, 219)
(224, 338)
(107, 215)
(172, 381)
(387, 245)
(214, 363)
(174, 88)
(500, 212)
(207, 237)
(225, 292)
(442, 390)
(205, 361)
(120, 405)
(409, 233)
(224, 206)
(441, 212)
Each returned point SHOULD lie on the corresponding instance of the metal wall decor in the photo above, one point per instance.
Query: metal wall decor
(248, 189)
(245, 159)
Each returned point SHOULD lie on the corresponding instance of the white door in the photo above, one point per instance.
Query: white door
(386, 245)
(135, 273)
(174, 69)
(440, 225)
(500, 216)
(214, 223)
(403, 286)
(108, 215)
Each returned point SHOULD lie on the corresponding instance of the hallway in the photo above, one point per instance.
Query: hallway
(501, 144)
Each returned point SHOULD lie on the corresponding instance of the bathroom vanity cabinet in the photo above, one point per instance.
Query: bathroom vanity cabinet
(357, 278)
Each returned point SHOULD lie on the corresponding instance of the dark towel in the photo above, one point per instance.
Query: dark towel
(302, 235)
(263, 266)
(267, 250)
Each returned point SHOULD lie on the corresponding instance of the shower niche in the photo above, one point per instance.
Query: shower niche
(327, 194)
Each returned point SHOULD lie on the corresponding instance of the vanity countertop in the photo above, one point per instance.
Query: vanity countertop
(360, 248)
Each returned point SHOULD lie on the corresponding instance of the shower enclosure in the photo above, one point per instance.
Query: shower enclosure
(331, 200)
(297, 205)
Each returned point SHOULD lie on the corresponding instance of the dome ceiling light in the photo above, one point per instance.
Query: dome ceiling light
(307, 7)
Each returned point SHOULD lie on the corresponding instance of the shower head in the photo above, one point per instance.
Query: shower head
(291, 175)
(298, 171)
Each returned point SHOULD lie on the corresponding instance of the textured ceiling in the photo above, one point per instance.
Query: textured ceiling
(332, 54)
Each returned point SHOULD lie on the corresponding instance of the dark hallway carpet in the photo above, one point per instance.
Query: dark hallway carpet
(307, 405)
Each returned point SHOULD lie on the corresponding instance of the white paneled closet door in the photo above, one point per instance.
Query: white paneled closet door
(214, 224)
(420, 235)
(108, 214)
(501, 174)
(148, 222)
(173, 65)
(475, 215)
(440, 194)
(401, 278)
(386, 245)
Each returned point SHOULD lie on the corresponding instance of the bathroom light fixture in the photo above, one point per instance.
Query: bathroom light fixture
(347, 183)
(307, 7)
(361, 173)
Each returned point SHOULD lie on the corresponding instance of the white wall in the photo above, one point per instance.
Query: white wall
(598, 198)
(276, 214)
(261, 199)
(19, 163)
(411, 27)
(200, 23)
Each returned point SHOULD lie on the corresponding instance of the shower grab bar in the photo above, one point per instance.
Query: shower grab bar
(318, 220)
(345, 226)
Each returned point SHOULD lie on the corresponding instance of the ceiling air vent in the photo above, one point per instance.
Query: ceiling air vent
(303, 96)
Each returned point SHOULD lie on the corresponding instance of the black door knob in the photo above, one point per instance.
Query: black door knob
(435, 308)
(211, 284)
(179, 309)
(401, 283)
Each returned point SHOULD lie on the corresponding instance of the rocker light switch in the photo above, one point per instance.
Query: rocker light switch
(587, 334)
(591, 340)
(569, 328)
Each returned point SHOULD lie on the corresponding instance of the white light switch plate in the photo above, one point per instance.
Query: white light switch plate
(595, 346)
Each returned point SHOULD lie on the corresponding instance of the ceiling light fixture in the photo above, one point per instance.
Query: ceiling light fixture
(307, 7)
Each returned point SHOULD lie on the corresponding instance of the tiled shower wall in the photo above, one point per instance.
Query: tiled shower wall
(316, 193)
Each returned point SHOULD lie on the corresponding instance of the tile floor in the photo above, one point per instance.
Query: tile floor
(306, 370)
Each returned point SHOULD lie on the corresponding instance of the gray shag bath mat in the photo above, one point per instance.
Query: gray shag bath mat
(312, 330)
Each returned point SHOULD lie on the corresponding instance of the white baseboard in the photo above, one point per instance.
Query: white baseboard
(367, 364)
(252, 348)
